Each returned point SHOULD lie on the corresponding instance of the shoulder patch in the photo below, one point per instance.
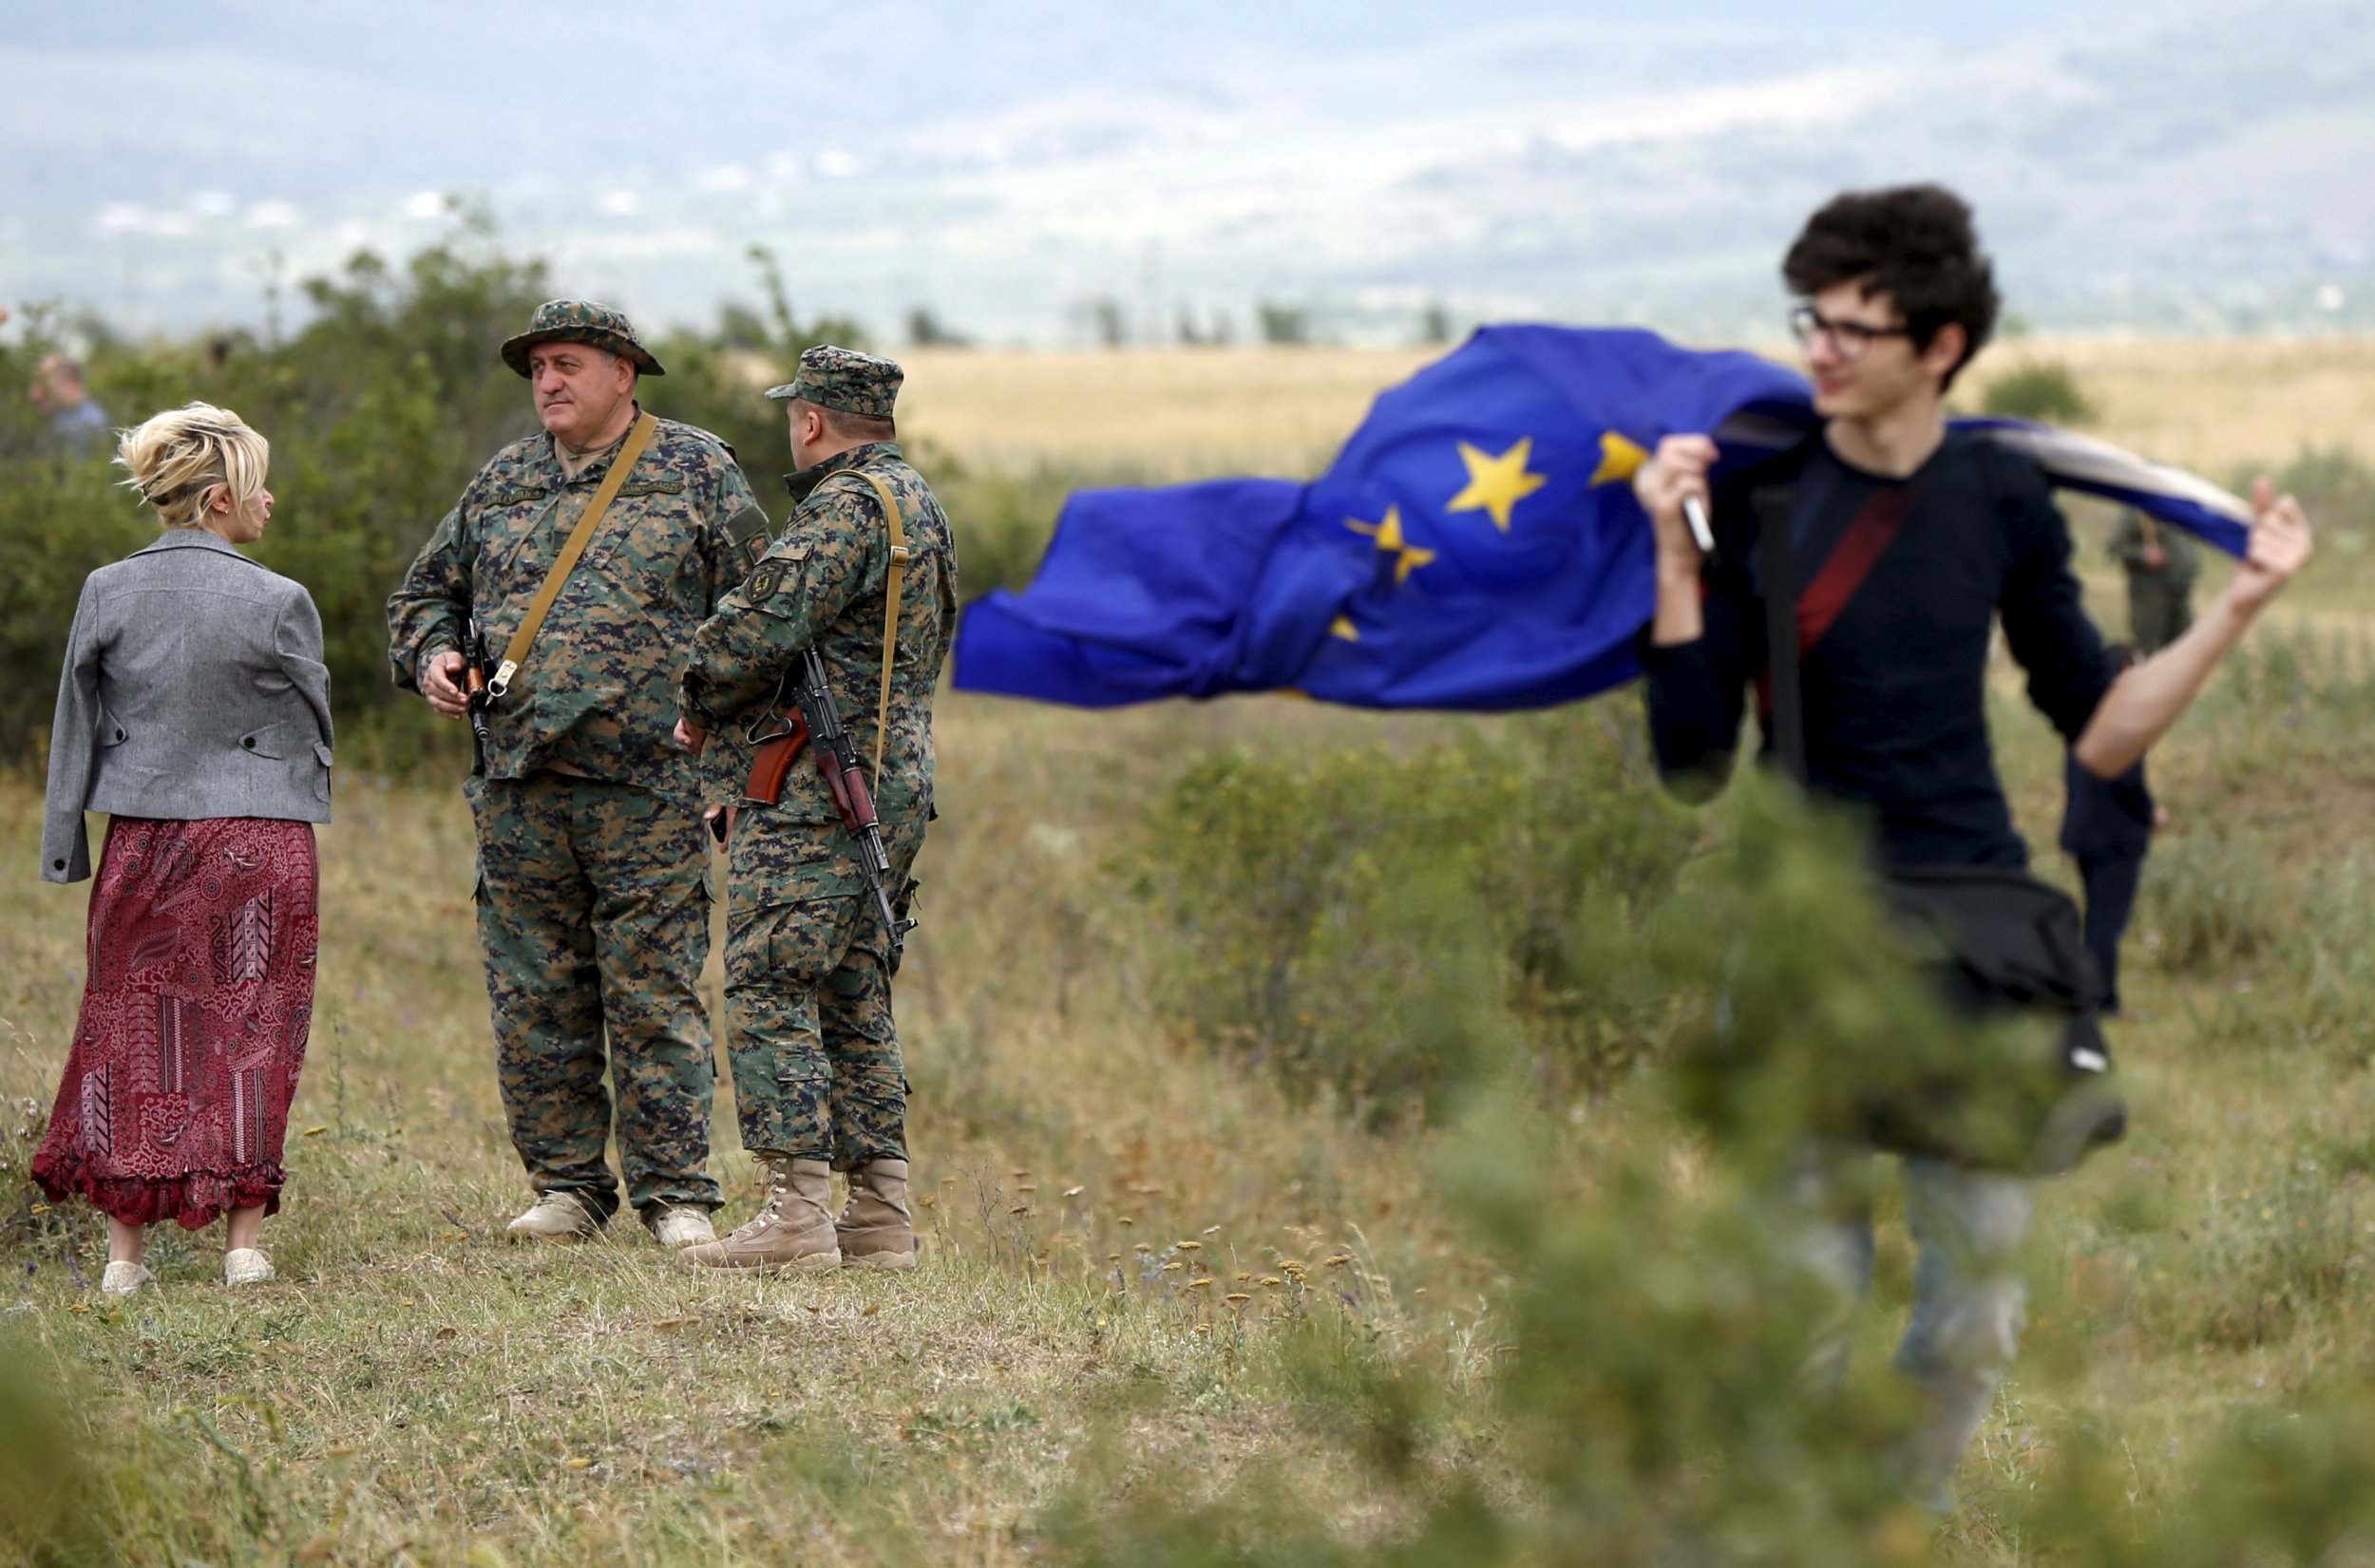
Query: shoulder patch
(762, 582)
(745, 531)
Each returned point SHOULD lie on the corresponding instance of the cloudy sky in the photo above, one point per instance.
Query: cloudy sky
(2172, 165)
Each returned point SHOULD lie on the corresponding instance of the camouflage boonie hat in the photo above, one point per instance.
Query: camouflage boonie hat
(579, 321)
(845, 379)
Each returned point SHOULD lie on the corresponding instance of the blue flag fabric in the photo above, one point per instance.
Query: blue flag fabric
(1476, 545)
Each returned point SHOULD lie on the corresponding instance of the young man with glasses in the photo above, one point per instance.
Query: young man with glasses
(1961, 535)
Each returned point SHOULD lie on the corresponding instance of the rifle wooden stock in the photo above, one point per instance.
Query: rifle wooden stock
(772, 763)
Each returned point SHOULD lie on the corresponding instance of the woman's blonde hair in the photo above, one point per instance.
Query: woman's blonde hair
(177, 459)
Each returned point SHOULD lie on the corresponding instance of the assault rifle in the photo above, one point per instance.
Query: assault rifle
(474, 686)
(813, 721)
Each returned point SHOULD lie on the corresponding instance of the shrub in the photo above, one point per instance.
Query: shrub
(1316, 910)
(379, 411)
(2044, 390)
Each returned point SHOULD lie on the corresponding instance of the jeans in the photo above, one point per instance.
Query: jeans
(1968, 1293)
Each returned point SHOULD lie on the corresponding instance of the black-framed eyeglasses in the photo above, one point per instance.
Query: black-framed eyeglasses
(1849, 339)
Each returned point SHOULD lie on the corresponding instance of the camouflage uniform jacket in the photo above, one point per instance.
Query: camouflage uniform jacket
(823, 581)
(2129, 537)
(597, 691)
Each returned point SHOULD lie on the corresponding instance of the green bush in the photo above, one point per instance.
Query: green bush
(2044, 390)
(378, 411)
(1316, 909)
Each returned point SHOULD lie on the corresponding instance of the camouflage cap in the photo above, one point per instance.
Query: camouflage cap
(579, 321)
(845, 379)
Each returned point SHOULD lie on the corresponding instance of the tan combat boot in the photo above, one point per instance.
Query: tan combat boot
(794, 1230)
(875, 1229)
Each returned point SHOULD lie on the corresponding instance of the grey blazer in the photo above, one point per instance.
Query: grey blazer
(194, 687)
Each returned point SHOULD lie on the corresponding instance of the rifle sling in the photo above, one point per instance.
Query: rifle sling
(890, 615)
(588, 521)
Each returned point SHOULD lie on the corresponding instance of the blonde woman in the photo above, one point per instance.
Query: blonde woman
(195, 711)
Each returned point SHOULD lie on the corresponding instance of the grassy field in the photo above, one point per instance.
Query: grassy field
(2207, 405)
(1150, 1272)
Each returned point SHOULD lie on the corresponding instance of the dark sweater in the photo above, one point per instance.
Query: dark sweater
(1895, 708)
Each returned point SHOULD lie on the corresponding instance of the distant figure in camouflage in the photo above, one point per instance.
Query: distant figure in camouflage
(815, 1054)
(2161, 565)
(592, 904)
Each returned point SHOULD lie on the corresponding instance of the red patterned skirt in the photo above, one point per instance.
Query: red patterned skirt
(175, 1102)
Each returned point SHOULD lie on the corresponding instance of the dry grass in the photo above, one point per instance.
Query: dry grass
(2209, 406)
(414, 1390)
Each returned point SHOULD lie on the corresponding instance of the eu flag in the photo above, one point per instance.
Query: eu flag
(1475, 544)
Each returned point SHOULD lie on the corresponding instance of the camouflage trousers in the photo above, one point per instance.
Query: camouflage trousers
(2159, 613)
(809, 1033)
(593, 910)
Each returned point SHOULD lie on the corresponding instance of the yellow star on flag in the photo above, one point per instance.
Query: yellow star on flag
(1497, 484)
(1619, 459)
(1409, 558)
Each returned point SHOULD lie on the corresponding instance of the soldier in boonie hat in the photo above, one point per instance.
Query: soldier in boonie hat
(579, 321)
(866, 384)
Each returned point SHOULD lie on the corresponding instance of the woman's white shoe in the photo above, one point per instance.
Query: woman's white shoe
(124, 1278)
(245, 1266)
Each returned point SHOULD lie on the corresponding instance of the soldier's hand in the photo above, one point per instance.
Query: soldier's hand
(691, 737)
(2155, 556)
(440, 673)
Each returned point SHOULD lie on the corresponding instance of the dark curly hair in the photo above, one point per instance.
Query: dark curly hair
(1913, 243)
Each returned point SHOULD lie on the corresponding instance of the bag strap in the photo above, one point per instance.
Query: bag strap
(1790, 638)
(591, 519)
(890, 614)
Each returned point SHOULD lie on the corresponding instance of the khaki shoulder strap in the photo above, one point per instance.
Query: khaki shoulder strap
(890, 614)
(591, 519)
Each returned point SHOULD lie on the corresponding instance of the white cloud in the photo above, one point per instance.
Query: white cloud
(619, 204)
(212, 204)
(271, 215)
(722, 179)
(122, 218)
(832, 163)
(425, 204)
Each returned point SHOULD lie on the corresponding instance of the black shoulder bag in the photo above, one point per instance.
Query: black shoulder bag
(1998, 943)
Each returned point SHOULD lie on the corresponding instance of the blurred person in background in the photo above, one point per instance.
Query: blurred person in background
(2161, 565)
(593, 901)
(1936, 537)
(76, 420)
(194, 710)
